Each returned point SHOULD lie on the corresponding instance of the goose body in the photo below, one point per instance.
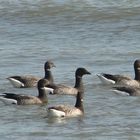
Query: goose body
(31, 81)
(127, 91)
(61, 90)
(122, 80)
(23, 81)
(68, 90)
(66, 110)
(18, 99)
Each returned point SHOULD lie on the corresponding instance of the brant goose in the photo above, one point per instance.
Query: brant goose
(122, 80)
(11, 98)
(128, 91)
(31, 81)
(63, 89)
(66, 110)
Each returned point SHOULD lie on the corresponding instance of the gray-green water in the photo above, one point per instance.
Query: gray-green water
(102, 36)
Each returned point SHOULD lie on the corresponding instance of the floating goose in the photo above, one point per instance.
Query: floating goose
(66, 110)
(31, 81)
(11, 98)
(63, 89)
(122, 80)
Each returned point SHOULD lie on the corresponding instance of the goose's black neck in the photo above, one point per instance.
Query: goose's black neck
(137, 74)
(79, 84)
(42, 94)
(79, 101)
(48, 75)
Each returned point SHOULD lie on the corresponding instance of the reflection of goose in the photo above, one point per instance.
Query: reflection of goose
(122, 80)
(29, 80)
(11, 98)
(129, 91)
(68, 111)
(63, 89)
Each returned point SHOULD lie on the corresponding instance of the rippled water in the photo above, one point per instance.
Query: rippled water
(102, 36)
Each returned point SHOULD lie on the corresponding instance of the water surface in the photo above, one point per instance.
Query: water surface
(102, 36)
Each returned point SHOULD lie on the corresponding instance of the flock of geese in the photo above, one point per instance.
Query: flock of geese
(121, 85)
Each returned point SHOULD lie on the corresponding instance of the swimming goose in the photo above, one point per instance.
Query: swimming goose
(11, 98)
(66, 110)
(63, 89)
(128, 91)
(122, 80)
(31, 81)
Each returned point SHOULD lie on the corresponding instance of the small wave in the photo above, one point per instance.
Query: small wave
(73, 9)
(74, 3)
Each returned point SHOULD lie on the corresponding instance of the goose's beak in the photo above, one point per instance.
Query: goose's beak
(88, 72)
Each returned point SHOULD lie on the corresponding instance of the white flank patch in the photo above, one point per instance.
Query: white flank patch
(16, 83)
(50, 90)
(8, 101)
(121, 92)
(55, 113)
(104, 80)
